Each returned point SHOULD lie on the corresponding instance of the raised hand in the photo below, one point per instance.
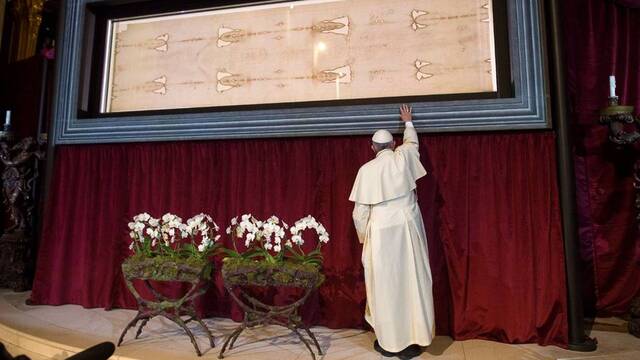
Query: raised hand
(405, 112)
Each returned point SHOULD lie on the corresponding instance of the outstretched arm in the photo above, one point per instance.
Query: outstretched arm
(410, 134)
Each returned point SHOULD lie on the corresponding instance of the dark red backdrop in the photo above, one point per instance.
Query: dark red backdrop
(490, 206)
(601, 39)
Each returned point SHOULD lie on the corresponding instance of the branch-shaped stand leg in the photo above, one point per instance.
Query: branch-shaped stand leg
(234, 335)
(258, 313)
(313, 337)
(131, 324)
(142, 324)
(171, 309)
(176, 319)
(304, 341)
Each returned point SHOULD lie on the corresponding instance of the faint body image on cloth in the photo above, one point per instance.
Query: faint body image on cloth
(301, 51)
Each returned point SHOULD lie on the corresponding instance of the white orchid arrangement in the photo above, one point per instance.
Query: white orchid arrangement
(170, 237)
(295, 244)
(268, 239)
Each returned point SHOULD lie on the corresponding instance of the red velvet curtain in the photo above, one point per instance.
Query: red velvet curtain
(490, 205)
(601, 39)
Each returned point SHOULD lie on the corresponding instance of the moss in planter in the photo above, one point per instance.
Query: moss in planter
(166, 269)
(237, 271)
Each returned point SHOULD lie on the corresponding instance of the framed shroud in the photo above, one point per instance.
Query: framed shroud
(149, 72)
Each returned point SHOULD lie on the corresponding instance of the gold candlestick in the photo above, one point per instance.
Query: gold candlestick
(615, 116)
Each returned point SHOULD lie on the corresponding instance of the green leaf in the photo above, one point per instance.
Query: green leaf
(315, 252)
(316, 262)
(232, 253)
(190, 247)
(251, 255)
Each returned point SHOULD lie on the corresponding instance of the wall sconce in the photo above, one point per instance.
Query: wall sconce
(615, 117)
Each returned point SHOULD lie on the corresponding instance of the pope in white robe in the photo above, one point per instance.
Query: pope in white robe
(395, 255)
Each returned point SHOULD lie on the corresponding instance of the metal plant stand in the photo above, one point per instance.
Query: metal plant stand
(161, 305)
(257, 313)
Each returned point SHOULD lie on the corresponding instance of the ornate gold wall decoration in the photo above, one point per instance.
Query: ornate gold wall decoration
(3, 6)
(27, 15)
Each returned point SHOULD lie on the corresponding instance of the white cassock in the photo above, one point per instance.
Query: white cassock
(395, 255)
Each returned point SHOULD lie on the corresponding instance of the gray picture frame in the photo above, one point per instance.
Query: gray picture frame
(527, 109)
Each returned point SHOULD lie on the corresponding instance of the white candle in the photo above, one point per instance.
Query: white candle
(612, 86)
(7, 118)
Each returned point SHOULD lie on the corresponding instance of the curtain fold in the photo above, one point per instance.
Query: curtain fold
(601, 39)
(490, 205)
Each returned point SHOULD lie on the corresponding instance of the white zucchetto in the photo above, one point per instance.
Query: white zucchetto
(391, 174)
(382, 137)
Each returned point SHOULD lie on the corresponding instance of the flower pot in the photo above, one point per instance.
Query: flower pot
(164, 269)
(241, 272)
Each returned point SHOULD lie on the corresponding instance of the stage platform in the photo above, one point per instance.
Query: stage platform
(56, 332)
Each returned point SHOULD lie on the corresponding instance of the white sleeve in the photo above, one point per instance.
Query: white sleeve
(410, 136)
(408, 154)
(361, 220)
